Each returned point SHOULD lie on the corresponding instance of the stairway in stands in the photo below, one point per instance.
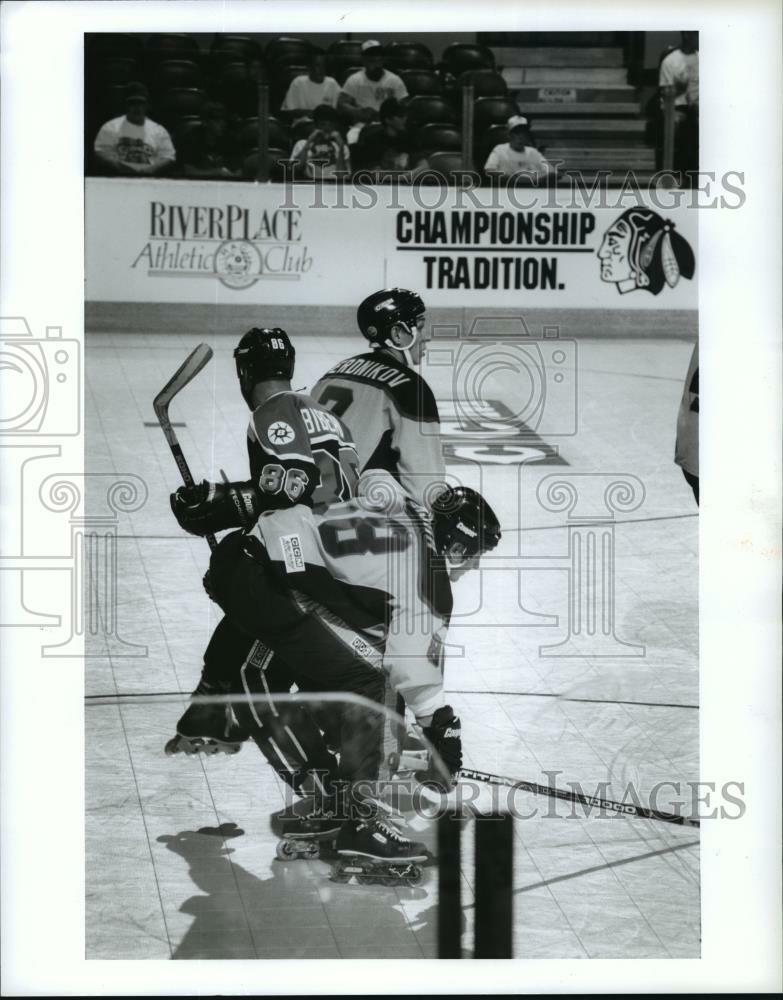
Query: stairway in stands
(582, 109)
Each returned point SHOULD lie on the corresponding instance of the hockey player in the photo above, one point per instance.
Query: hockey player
(366, 564)
(686, 449)
(387, 406)
(300, 454)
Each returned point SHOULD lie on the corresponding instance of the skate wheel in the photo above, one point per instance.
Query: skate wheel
(311, 850)
(338, 875)
(415, 877)
(172, 747)
(285, 851)
(394, 761)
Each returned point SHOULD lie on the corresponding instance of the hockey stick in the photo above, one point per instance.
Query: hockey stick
(186, 372)
(624, 808)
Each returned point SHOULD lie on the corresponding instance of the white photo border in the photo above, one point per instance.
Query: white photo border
(740, 360)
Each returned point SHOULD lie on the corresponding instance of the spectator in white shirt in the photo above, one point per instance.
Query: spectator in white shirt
(307, 92)
(133, 144)
(680, 70)
(365, 91)
(324, 151)
(518, 155)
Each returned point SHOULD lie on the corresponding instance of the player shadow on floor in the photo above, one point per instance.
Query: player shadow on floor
(230, 898)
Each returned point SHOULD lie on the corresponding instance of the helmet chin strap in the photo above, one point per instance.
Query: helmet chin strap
(406, 351)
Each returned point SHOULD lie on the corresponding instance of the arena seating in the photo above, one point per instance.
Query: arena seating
(582, 108)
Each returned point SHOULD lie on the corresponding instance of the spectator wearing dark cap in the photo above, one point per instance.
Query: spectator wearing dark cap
(313, 88)
(133, 144)
(209, 150)
(518, 155)
(364, 91)
(324, 151)
(387, 145)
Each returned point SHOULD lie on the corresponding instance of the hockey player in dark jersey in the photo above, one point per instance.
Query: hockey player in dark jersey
(370, 562)
(388, 407)
(300, 455)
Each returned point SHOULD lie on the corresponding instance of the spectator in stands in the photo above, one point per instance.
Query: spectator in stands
(680, 70)
(311, 89)
(388, 145)
(364, 91)
(324, 151)
(210, 150)
(134, 144)
(518, 155)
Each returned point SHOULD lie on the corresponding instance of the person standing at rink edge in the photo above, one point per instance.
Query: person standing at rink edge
(686, 449)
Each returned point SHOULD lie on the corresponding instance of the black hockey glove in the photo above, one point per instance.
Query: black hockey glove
(210, 507)
(445, 735)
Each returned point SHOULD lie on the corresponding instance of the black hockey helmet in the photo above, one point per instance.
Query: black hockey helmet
(263, 354)
(379, 312)
(461, 515)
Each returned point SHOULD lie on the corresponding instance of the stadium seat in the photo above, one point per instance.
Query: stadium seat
(281, 80)
(111, 102)
(117, 70)
(485, 82)
(182, 128)
(491, 137)
(110, 46)
(232, 48)
(342, 54)
(439, 137)
(403, 55)
(250, 163)
(492, 111)
(425, 109)
(301, 130)
(236, 86)
(345, 72)
(180, 101)
(445, 162)
(421, 82)
(164, 46)
(279, 136)
(462, 56)
(289, 50)
(176, 73)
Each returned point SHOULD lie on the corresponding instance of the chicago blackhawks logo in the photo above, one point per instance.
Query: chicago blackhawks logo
(280, 432)
(642, 250)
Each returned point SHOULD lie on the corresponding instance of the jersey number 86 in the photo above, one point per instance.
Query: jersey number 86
(275, 478)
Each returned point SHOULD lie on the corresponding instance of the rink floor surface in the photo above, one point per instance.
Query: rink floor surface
(180, 861)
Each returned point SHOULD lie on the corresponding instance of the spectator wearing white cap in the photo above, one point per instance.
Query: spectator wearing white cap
(518, 155)
(364, 91)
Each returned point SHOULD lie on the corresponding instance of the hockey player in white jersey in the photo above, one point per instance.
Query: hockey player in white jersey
(367, 563)
(388, 407)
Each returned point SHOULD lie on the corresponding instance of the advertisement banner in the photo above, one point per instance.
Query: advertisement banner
(207, 242)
